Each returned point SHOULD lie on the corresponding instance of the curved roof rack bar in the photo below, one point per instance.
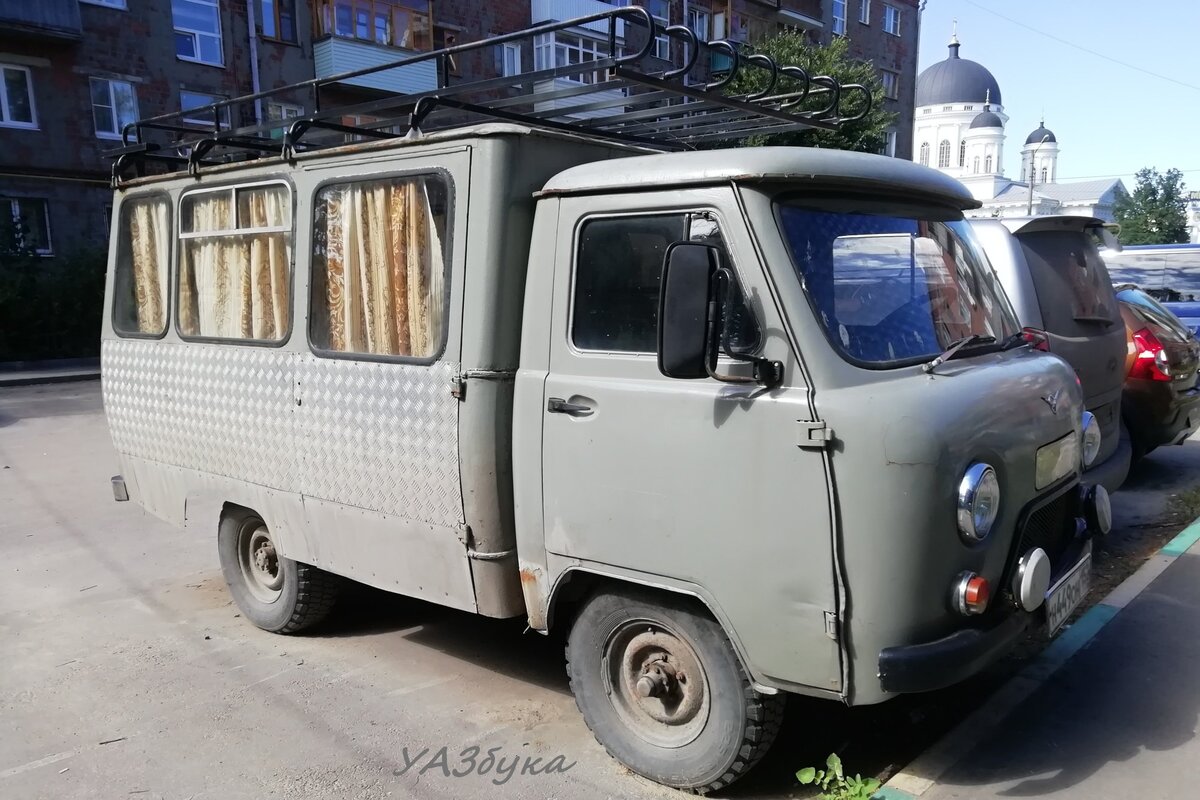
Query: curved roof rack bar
(623, 95)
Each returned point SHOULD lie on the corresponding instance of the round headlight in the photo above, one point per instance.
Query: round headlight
(1091, 438)
(978, 502)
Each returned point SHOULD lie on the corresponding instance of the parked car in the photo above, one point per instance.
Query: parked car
(1053, 274)
(1170, 273)
(1161, 401)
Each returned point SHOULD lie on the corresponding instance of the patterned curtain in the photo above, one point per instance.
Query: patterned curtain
(234, 283)
(150, 241)
(384, 282)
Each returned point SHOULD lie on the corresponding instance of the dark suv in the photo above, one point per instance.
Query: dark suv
(1053, 273)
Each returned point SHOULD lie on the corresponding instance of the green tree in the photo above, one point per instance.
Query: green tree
(791, 48)
(1156, 212)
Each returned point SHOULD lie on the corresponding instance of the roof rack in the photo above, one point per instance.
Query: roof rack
(625, 95)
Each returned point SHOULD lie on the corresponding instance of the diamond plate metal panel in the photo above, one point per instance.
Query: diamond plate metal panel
(381, 436)
(377, 436)
(219, 409)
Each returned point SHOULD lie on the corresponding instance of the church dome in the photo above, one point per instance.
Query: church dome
(956, 80)
(1041, 133)
(988, 119)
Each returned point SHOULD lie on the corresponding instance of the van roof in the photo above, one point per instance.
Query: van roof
(838, 168)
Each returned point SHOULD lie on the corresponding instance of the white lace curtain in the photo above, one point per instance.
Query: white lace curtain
(384, 289)
(149, 254)
(234, 274)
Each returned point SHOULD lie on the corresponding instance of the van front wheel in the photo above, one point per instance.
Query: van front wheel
(659, 684)
(275, 593)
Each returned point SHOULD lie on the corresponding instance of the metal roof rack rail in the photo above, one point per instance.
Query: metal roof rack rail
(626, 95)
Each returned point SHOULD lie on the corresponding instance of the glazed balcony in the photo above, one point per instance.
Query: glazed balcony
(356, 34)
(45, 19)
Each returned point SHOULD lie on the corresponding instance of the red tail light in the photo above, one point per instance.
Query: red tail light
(1151, 362)
(1037, 339)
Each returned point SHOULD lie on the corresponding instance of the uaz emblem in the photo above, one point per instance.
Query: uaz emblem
(1052, 400)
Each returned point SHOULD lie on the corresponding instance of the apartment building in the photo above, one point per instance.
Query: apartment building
(73, 73)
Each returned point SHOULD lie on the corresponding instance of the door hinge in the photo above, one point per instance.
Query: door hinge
(458, 386)
(831, 625)
(815, 435)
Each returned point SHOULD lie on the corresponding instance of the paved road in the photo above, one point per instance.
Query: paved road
(125, 670)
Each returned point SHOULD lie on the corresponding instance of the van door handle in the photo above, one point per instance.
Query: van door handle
(557, 405)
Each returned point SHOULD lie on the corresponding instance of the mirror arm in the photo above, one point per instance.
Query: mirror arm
(767, 373)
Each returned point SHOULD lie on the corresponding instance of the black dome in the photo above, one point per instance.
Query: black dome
(956, 80)
(988, 119)
(1041, 133)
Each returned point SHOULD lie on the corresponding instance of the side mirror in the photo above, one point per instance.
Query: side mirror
(684, 308)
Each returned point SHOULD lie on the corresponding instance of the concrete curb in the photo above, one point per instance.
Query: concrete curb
(924, 772)
(36, 378)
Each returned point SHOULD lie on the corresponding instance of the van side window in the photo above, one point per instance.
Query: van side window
(235, 263)
(617, 274)
(140, 274)
(379, 274)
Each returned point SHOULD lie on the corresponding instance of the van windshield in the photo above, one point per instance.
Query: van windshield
(894, 289)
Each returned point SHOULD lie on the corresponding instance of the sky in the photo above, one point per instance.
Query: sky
(1111, 119)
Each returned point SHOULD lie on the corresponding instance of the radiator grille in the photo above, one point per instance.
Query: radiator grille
(1051, 527)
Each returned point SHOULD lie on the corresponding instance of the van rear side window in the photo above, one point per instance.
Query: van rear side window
(379, 267)
(140, 276)
(235, 264)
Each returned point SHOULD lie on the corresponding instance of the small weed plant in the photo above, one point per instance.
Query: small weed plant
(834, 784)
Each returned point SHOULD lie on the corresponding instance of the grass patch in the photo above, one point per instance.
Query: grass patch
(1185, 505)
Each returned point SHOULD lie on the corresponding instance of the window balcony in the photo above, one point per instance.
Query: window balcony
(356, 34)
(45, 19)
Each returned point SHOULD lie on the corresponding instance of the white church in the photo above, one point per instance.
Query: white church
(959, 130)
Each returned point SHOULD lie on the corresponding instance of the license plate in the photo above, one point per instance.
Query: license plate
(1066, 595)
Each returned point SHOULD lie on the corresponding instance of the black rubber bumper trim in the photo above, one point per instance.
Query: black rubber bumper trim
(944, 662)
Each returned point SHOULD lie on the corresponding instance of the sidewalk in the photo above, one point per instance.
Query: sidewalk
(32, 372)
(1110, 711)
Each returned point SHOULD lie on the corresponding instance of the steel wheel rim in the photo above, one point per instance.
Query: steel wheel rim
(656, 683)
(262, 571)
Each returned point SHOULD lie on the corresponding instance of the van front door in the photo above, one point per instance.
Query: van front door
(699, 482)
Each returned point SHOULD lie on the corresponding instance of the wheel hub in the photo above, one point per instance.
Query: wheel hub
(656, 684)
(260, 563)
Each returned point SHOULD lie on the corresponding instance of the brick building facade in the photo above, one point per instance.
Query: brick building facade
(74, 71)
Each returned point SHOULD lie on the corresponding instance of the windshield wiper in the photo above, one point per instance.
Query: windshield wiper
(955, 346)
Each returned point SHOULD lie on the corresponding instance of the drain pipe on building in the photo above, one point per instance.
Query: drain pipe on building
(252, 24)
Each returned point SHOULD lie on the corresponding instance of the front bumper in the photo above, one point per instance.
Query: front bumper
(943, 662)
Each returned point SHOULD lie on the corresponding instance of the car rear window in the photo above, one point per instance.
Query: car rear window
(1151, 311)
(1073, 286)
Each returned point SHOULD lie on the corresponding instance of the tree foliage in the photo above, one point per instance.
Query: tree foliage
(791, 48)
(1156, 212)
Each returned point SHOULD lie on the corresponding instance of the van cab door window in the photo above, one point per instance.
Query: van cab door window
(140, 274)
(618, 270)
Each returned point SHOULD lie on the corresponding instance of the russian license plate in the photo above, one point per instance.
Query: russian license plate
(1066, 595)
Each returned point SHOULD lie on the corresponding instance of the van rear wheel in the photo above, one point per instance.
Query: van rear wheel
(660, 686)
(275, 593)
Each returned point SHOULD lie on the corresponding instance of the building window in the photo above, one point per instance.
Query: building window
(661, 11)
(194, 100)
(1024, 171)
(891, 19)
(987, 165)
(277, 19)
(140, 277)
(962, 153)
(926, 110)
(31, 221)
(379, 277)
(699, 22)
(839, 17)
(561, 49)
(976, 165)
(198, 31)
(947, 108)
(864, 12)
(889, 144)
(944, 154)
(16, 98)
(1045, 173)
(395, 23)
(235, 263)
(925, 153)
(114, 105)
(968, 108)
(279, 112)
(511, 55)
(891, 83)
(118, 4)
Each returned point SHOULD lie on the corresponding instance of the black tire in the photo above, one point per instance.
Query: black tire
(304, 594)
(738, 727)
